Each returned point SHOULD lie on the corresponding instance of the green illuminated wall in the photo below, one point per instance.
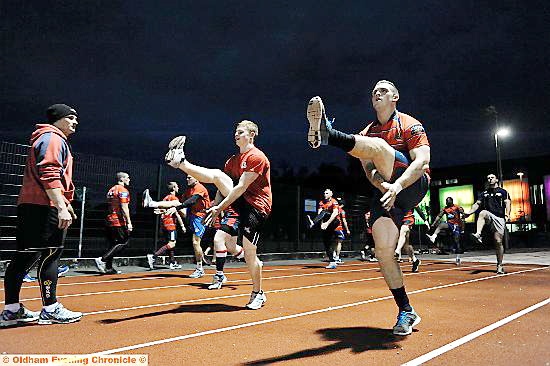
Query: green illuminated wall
(462, 196)
(424, 206)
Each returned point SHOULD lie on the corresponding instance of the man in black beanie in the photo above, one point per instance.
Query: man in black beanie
(44, 213)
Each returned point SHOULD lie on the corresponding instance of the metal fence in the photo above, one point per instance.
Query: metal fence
(285, 230)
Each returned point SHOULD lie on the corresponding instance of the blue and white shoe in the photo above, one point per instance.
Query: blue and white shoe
(62, 270)
(29, 278)
(59, 316)
(406, 320)
(319, 125)
(23, 315)
(332, 265)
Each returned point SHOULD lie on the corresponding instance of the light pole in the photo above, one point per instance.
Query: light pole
(522, 217)
(502, 132)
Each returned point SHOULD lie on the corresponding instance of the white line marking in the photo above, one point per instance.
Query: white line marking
(188, 285)
(293, 316)
(271, 292)
(459, 342)
(171, 272)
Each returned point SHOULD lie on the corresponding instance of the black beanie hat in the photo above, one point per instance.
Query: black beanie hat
(58, 111)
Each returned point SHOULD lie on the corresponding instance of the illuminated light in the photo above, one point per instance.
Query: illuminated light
(518, 189)
(424, 206)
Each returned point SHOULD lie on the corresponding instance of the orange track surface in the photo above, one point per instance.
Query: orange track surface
(174, 305)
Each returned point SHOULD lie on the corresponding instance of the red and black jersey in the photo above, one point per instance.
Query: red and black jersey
(401, 131)
(258, 193)
(168, 222)
(200, 207)
(116, 196)
(453, 215)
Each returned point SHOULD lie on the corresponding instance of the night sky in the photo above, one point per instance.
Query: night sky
(140, 72)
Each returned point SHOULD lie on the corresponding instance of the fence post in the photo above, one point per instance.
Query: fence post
(157, 217)
(298, 216)
(82, 211)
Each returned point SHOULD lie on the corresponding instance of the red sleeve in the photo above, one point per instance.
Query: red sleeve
(255, 164)
(415, 136)
(49, 160)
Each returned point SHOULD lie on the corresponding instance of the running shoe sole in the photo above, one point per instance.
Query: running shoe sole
(177, 142)
(315, 112)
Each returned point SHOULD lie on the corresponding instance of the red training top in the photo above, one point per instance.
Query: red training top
(117, 195)
(199, 208)
(168, 222)
(49, 165)
(258, 193)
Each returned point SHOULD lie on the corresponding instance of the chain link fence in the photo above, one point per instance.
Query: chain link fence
(93, 175)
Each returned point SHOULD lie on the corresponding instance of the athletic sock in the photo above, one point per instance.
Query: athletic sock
(50, 308)
(161, 250)
(240, 252)
(199, 265)
(401, 298)
(341, 140)
(172, 255)
(12, 307)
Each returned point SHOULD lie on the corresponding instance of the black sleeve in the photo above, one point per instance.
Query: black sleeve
(420, 213)
(189, 202)
(319, 217)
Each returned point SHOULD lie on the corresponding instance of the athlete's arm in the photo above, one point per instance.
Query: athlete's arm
(64, 216)
(437, 218)
(126, 213)
(325, 224)
(508, 209)
(473, 209)
(420, 163)
(345, 222)
(373, 176)
(245, 180)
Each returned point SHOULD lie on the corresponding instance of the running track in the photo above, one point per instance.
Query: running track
(313, 316)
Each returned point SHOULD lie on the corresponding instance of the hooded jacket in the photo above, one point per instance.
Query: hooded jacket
(49, 165)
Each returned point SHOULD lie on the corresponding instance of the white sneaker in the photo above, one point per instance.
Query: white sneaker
(151, 261)
(101, 266)
(431, 237)
(175, 266)
(318, 131)
(363, 255)
(217, 282)
(500, 269)
(257, 300)
(60, 316)
(339, 261)
(197, 274)
(176, 152)
(457, 261)
(332, 265)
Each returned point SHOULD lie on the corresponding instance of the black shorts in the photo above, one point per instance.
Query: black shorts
(171, 235)
(117, 234)
(406, 200)
(37, 228)
(251, 221)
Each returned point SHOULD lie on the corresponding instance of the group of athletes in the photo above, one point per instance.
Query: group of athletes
(393, 150)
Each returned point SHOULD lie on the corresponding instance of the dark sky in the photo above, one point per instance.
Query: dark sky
(140, 72)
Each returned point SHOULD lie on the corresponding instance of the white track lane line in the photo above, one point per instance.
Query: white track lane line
(459, 342)
(293, 316)
(188, 285)
(171, 272)
(271, 292)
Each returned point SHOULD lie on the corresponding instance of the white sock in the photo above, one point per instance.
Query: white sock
(50, 308)
(12, 307)
(199, 265)
(153, 204)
